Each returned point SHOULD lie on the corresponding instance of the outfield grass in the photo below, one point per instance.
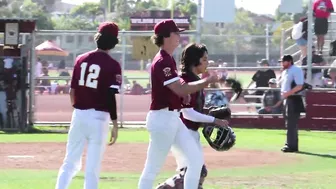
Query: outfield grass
(316, 168)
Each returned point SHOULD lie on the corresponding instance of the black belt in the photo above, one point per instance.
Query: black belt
(174, 110)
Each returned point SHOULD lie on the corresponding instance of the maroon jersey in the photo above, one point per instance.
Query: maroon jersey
(164, 72)
(196, 102)
(94, 74)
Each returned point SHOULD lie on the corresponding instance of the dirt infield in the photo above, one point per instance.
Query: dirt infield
(129, 157)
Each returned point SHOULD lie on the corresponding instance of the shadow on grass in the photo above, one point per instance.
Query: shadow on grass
(317, 155)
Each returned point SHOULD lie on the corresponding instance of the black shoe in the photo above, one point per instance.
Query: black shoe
(286, 149)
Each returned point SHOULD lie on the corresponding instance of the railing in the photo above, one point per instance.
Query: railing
(285, 38)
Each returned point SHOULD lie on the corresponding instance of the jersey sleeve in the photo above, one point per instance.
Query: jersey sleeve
(75, 75)
(330, 6)
(166, 72)
(115, 79)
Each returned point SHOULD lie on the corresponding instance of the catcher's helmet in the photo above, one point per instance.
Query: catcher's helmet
(219, 138)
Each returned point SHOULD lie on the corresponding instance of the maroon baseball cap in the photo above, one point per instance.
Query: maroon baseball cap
(166, 26)
(108, 28)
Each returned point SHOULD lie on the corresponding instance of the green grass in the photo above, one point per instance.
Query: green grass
(314, 170)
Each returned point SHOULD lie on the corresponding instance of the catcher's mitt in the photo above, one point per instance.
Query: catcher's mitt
(219, 138)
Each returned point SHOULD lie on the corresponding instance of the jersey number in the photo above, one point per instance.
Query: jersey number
(91, 80)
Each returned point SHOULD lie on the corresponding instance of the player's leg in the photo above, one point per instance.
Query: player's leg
(182, 161)
(186, 145)
(3, 107)
(74, 149)
(97, 128)
(162, 130)
(204, 172)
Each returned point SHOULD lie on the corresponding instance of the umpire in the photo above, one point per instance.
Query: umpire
(292, 80)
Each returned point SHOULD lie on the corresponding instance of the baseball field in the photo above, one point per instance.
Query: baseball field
(31, 161)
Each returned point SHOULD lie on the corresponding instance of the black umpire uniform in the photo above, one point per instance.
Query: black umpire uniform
(292, 81)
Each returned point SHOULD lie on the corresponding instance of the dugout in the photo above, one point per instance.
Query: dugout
(14, 78)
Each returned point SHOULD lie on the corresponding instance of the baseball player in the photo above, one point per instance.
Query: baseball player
(95, 81)
(163, 121)
(194, 62)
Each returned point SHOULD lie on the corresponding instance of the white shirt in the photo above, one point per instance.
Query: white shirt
(38, 69)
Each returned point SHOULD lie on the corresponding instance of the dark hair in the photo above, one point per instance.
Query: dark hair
(106, 41)
(191, 56)
(158, 39)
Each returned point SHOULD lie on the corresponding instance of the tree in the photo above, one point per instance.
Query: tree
(27, 9)
(73, 23)
(88, 10)
(243, 25)
(125, 8)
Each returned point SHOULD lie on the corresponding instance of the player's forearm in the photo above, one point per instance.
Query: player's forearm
(193, 87)
(112, 104)
(192, 115)
(295, 90)
(72, 96)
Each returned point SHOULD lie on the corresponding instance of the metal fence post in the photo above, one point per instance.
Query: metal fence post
(199, 21)
(32, 81)
(235, 56)
(123, 62)
(282, 42)
(267, 41)
(310, 41)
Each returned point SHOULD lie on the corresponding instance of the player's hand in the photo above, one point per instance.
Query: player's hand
(114, 134)
(186, 100)
(212, 78)
(221, 122)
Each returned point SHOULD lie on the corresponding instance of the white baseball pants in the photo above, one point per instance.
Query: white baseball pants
(91, 127)
(167, 132)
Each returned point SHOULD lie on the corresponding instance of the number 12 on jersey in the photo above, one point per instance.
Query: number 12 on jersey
(91, 79)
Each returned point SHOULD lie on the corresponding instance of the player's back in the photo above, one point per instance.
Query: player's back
(94, 73)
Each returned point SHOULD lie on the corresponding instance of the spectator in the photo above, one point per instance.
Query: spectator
(38, 68)
(332, 74)
(321, 10)
(45, 83)
(65, 89)
(270, 99)
(215, 98)
(261, 78)
(61, 65)
(317, 60)
(302, 40)
(137, 89)
(223, 73)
